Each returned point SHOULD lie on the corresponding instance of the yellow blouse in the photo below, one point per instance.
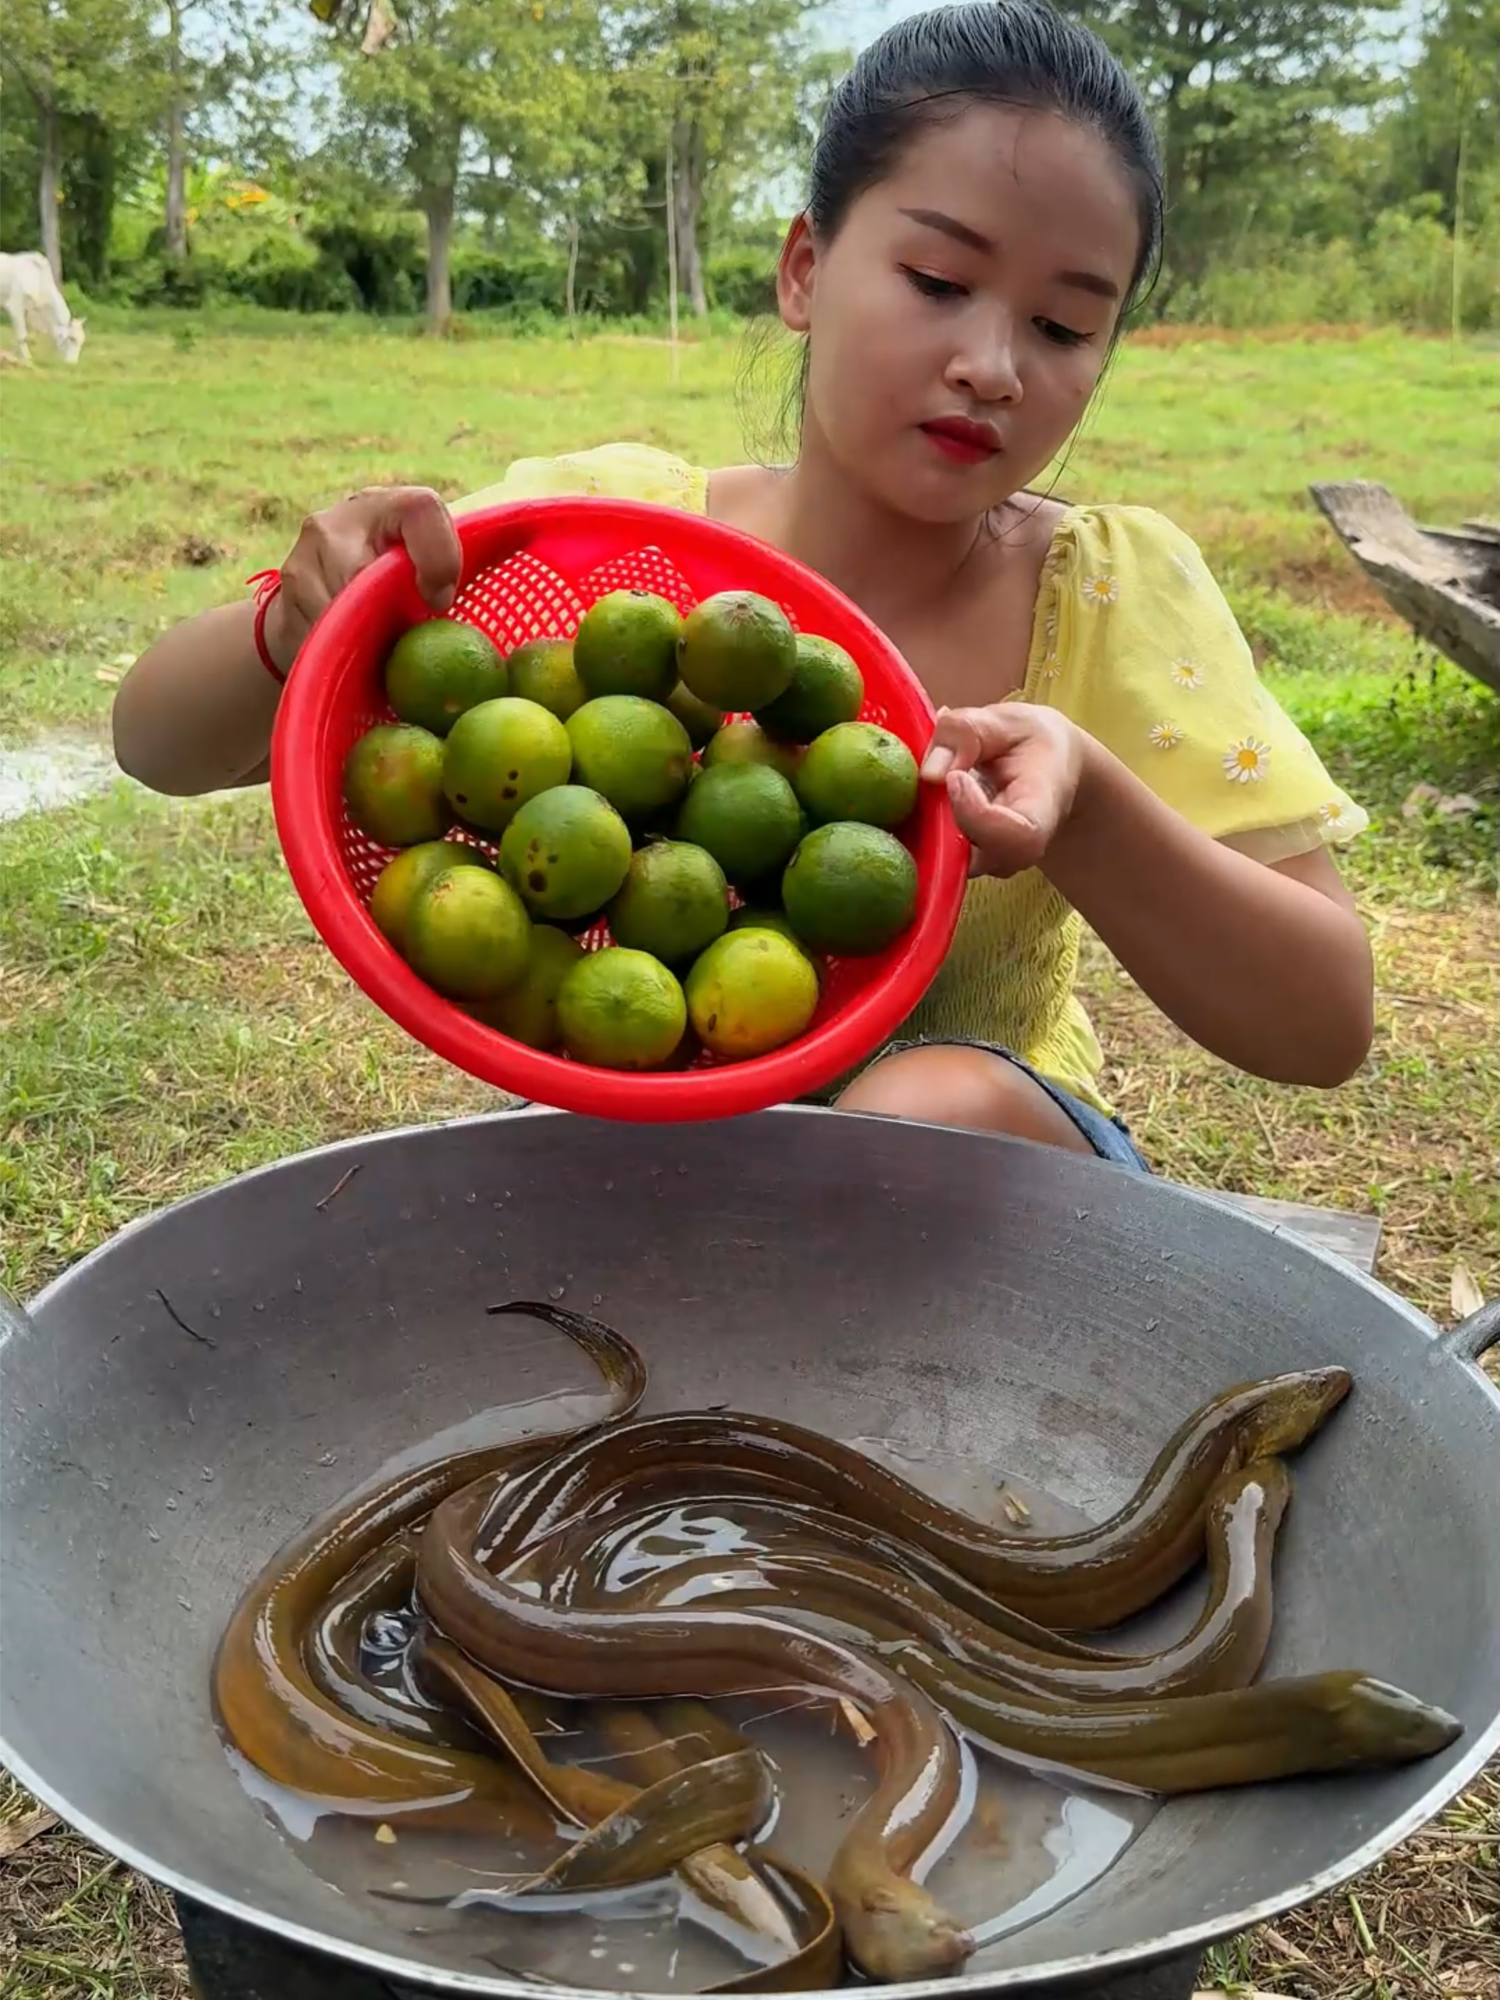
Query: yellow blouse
(1134, 642)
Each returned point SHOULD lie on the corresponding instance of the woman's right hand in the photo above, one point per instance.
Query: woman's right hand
(337, 544)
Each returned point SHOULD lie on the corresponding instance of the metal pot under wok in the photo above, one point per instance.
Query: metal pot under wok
(190, 1394)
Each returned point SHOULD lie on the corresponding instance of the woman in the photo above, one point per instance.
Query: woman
(985, 206)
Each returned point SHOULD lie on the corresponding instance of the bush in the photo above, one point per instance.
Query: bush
(528, 280)
(742, 279)
(1400, 275)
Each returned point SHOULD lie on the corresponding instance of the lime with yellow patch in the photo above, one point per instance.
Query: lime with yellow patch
(543, 671)
(850, 889)
(752, 917)
(400, 880)
(621, 1009)
(750, 992)
(501, 754)
(468, 934)
(440, 669)
(393, 785)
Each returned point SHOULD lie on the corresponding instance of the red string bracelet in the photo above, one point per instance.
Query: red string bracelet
(267, 583)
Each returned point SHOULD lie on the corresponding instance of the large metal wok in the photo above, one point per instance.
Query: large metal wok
(191, 1393)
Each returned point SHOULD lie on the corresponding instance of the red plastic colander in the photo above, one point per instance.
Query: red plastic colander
(531, 570)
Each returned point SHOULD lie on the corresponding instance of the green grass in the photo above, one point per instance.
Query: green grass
(167, 1016)
(150, 480)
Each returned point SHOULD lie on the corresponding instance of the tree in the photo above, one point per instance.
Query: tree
(718, 80)
(1443, 130)
(86, 59)
(1242, 92)
(454, 74)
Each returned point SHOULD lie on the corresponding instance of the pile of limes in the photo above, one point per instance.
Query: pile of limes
(610, 780)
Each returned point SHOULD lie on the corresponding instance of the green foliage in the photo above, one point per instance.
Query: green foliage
(507, 157)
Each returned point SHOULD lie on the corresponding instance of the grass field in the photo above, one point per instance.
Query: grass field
(166, 1017)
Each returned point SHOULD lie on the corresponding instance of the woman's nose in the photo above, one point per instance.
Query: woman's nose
(985, 365)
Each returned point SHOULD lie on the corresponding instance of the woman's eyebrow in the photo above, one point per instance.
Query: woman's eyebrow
(949, 225)
(960, 232)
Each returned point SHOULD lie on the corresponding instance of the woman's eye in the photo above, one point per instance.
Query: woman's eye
(1062, 336)
(931, 287)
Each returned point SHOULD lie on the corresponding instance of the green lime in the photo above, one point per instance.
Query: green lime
(751, 992)
(850, 888)
(468, 934)
(501, 754)
(858, 771)
(566, 852)
(393, 785)
(622, 1010)
(748, 818)
(673, 902)
(748, 743)
(737, 651)
(635, 752)
(413, 869)
(542, 671)
(627, 644)
(697, 718)
(438, 670)
(827, 688)
(527, 1011)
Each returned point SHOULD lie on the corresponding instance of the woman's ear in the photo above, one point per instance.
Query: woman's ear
(796, 273)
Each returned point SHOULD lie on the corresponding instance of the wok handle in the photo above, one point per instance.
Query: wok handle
(1474, 1335)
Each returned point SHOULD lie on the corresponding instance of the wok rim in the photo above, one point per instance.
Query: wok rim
(1119, 1958)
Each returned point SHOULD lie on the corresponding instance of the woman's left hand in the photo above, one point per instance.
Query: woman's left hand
(1012, 773)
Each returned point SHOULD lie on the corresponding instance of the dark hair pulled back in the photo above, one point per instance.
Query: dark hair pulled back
(1020, 53)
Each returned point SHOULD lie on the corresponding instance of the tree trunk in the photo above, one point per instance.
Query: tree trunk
(91, 196)
(437, 206)
(572, 277)
(49, 186)
(691, 161)
(175, 243)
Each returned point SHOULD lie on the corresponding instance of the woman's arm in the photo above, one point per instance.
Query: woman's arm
(1267, 967)
(194, 713)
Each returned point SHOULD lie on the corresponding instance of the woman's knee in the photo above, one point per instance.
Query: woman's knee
(965, 1087)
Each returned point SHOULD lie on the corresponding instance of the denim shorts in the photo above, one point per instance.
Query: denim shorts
(1109, 1137)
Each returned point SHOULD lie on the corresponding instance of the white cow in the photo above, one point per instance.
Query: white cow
(29, 293)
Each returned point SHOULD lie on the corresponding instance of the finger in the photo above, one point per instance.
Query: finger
(416, 516)
(964, 737)
(1004, 840)
(305, 587)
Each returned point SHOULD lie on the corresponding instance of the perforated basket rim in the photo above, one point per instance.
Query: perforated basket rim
(340, 655)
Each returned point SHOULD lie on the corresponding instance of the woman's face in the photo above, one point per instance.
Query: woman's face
(960, 317)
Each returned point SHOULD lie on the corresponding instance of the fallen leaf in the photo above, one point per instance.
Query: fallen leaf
(1464, 1294)
(21, 1832)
